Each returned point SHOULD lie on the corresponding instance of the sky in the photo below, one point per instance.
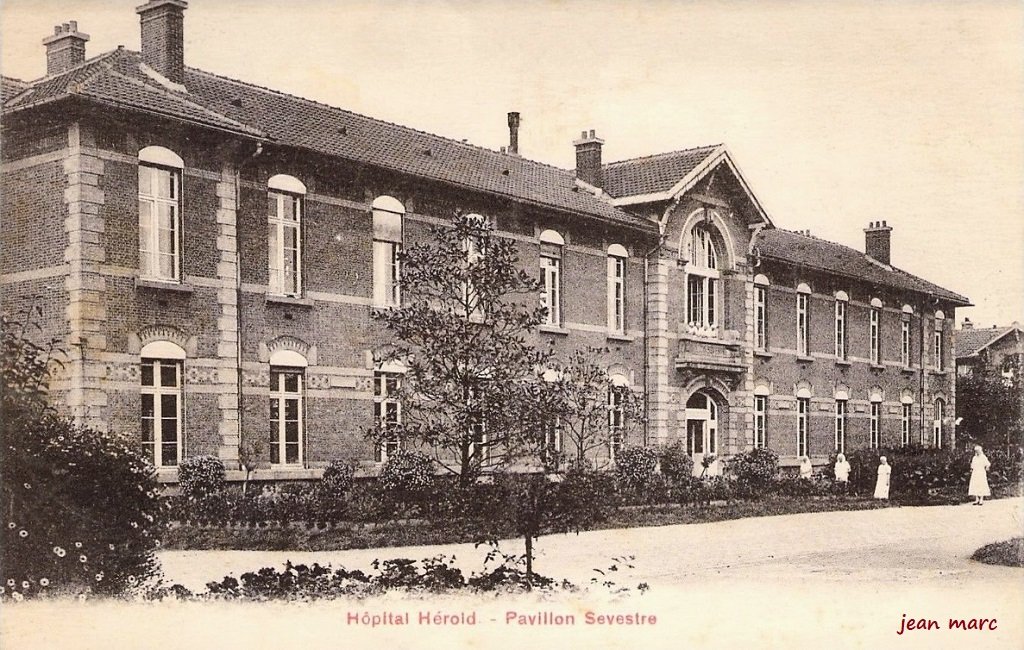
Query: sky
(837, 113)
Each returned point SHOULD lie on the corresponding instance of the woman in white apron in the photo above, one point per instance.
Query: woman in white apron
(882, 484)
(978, 487)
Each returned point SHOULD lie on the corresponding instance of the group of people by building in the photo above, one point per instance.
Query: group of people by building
(977, 488)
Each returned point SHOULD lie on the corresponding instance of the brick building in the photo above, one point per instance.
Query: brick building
(210, 252)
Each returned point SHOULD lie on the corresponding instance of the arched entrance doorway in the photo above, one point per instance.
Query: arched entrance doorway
(702, 432)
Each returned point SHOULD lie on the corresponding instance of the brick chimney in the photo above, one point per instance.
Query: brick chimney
(876, 241)
(588, 158)
(65, 49)
(163, 47)
(513, 133)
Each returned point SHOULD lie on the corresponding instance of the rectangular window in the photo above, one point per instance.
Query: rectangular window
(161, 411)
(761, 317)
(616, 420)
(284, 237)
(940, 415)
(159, 223)
(550, 278)
(387, 412)
(386, 273)
(760, 420)
(840, 445)
(905, 343)
(803, 409)
(286, 416)
(803, 333)
(876, 335)
(702, 316)
(840, 329)
(616, 294)
(938, 356)
(905, 421)
(876, 424)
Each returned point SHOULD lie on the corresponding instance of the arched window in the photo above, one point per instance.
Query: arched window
(287, 388)
(160, 214)
(803, 320)
(906, 313)
(387, 410)
(803, 414)
(284, 234)
(761, 312)
(840, 339)
(842, 406)
(906, 417)
(702, 428)
(551, 245)
(617, 257)
(938, 424)
(702, 283)
(617, 414)
(875, 419)
(388, 217)
(162, 412)
(875, 331)
(760, 416)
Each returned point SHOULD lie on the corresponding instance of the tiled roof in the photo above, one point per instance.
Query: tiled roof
(830, 257)
(212, 100)
(9, 87)
(969, 342)
(650, 174)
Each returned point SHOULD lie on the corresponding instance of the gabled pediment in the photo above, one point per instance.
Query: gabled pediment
(668, 177)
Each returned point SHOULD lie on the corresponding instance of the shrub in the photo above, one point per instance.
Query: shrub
(337, 478)
(407, 471)
(755, 470)
(634, 466)
(200, 476)
(82, 509)
(676, 464)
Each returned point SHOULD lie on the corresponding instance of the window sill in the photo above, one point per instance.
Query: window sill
(843, 362)
(163, 285)
(877, 366)
(290, 301)
(620, 336)
(553, 329)
(805, 359)
(939, 372)
(908, 370)
(763, 354)
(711, 339)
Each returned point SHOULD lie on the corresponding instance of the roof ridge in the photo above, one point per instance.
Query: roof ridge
(453, 141)
(77, 66)
(662, 154)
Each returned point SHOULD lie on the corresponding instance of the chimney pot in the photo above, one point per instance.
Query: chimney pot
(65, 48)
(163, 43)
(588, 158)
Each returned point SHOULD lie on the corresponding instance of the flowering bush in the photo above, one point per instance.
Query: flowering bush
(407, 471)
(337, 479)
(634, 466)
(676, 464)
(82, 510)
(200, 476)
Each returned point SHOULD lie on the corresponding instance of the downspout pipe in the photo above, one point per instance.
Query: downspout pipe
(238, 292)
